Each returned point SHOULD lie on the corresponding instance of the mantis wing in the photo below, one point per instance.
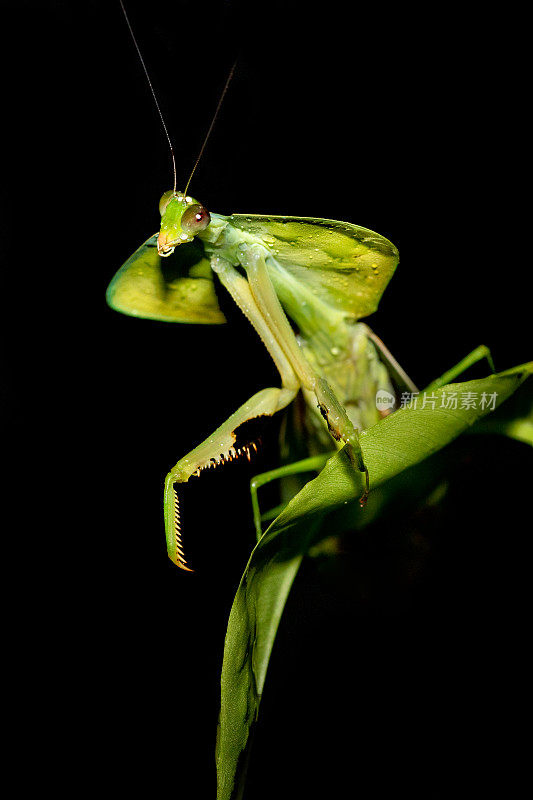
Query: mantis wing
(344, 266)
(178, 288)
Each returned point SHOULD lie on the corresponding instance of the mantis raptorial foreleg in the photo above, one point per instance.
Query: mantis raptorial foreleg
(338, 422)
(316, 463)
(239, 289)
(225, 444)
(231, 439)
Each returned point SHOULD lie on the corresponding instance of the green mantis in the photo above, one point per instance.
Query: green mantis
(305, 285)
(325, 275)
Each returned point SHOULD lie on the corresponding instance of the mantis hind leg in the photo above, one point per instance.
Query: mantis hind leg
(312, 464)
(476, 355)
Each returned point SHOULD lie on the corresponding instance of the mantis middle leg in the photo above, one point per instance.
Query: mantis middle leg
(312, 464)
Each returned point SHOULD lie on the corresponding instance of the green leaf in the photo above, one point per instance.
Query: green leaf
(178, 288)
(398, 442)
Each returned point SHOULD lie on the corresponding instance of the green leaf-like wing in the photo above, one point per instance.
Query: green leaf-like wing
(396, 443)
(178, 288)
(343, 265)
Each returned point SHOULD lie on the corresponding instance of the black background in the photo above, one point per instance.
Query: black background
(405, 123)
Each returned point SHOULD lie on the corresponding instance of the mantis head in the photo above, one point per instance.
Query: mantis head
(182, 218)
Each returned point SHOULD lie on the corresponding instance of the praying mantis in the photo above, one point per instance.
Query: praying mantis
(325, 275)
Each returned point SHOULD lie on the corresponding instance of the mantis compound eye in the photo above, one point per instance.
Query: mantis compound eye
(195, 219)
(163, 203)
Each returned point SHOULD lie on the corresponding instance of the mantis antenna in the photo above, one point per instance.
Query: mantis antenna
(153, 92)
(215, 115)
